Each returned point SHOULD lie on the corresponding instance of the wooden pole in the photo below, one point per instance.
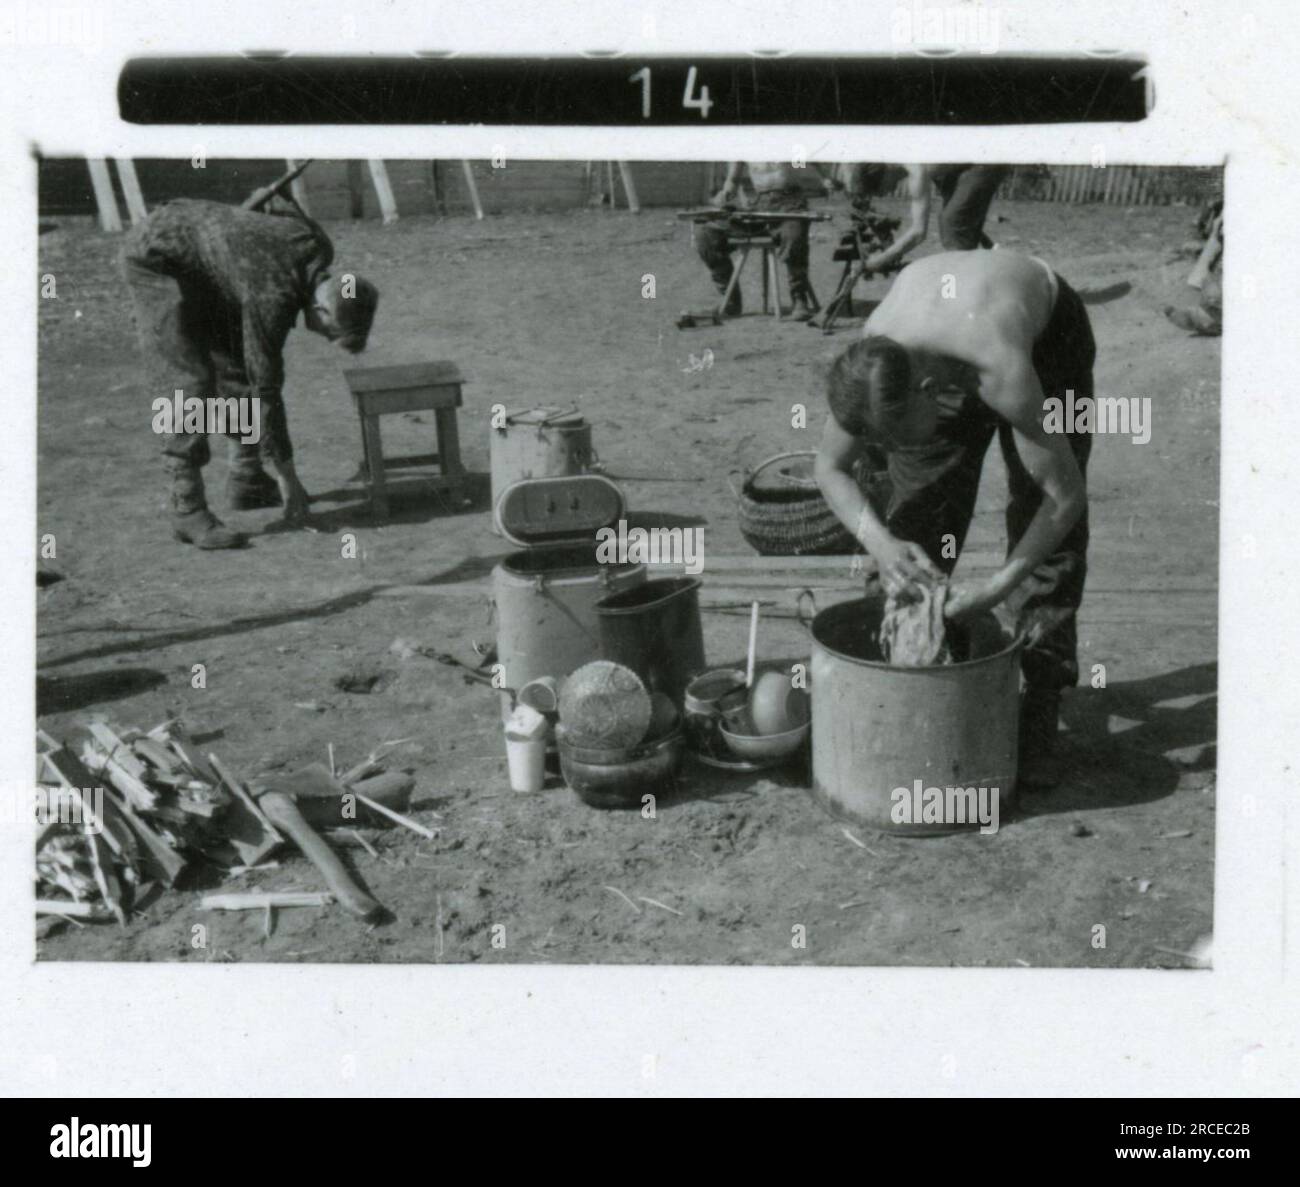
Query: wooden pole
(472, 186)
(629, 187)
(298, 187)
(439, 204)
(131, 190)
(383, 190)
(356, 195)
(105, 201)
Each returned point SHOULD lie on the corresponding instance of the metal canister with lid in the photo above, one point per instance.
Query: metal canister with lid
(545, 594)
(539, 443)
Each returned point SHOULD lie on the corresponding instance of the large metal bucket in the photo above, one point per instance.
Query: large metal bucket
(546, 611)
(889, 744)
(655, 630)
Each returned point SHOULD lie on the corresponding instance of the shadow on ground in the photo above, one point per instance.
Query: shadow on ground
(1131, 742)
(66, 694)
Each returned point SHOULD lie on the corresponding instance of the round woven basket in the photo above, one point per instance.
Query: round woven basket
(782, 511)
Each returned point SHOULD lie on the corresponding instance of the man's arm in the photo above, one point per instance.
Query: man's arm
(829, 177)
(731, 186)
(1010, 386)
(919, 194)
(833, 470)
(264, 365)
(900, 562)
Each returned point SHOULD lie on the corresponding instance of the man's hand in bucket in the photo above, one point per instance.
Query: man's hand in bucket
(902, 564)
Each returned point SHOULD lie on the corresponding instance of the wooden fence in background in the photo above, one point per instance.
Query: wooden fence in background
(1117, 185)
(340, 189)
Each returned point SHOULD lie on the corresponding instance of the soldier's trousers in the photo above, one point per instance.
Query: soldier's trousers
(192, 346)
(791, 238)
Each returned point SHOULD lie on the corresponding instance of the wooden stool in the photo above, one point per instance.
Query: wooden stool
(772, 269)
(413, 387)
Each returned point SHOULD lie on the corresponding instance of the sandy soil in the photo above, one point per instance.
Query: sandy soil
(547, 309)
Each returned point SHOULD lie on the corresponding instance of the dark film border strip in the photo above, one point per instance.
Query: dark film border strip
(627, 91)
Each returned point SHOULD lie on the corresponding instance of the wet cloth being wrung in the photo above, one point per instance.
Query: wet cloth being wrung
(913, 631)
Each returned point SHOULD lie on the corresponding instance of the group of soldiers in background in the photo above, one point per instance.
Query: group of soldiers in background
(964, 193)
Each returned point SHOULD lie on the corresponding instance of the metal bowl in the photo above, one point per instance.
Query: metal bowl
(707, 698)
(619, 779)
(766, 747)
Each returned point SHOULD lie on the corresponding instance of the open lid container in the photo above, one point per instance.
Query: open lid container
(563, 512)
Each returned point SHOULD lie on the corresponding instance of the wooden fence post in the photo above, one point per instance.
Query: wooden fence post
(472, 186)
(105, 200)
(383, 190)
(629, 187)
(131, 190)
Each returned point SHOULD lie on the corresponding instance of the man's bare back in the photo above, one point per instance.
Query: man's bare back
(967, 305)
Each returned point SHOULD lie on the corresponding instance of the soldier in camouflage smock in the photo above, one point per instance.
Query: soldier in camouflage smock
(216, 290)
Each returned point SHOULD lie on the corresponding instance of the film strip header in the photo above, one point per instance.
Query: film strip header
(623, 90)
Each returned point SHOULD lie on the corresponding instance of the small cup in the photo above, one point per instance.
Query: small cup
(526, 758)
(542, 694)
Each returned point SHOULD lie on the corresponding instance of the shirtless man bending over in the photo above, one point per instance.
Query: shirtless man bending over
(967, 346)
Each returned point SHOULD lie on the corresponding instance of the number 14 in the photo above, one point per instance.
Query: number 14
(689, 98)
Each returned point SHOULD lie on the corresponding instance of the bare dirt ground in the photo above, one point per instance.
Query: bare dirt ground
(545, 310)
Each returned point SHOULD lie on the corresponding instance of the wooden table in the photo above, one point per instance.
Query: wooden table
(412, 387)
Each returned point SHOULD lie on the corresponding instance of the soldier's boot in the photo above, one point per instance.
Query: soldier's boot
(192, 522)
(251, 491)
(1040, 764)
(249, 487)
(1195, 320)
(801, 298)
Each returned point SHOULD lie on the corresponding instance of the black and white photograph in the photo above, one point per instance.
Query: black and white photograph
(739, 562)
(665, 551)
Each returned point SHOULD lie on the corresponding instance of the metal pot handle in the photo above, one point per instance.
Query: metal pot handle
(556, 414)
(806, 623)
(778, 457)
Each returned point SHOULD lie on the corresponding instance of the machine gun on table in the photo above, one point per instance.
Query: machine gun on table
(868, 234)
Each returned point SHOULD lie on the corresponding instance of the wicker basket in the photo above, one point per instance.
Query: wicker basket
(782, 511)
